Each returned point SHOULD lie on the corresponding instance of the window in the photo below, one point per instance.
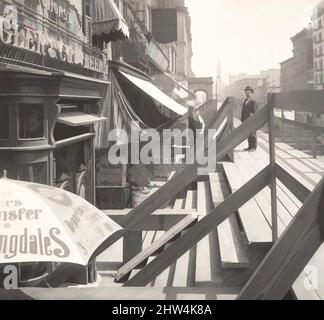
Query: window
(4, 121)
(31, 121)
(35, 172)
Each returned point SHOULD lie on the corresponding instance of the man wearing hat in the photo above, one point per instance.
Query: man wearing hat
(249, 108)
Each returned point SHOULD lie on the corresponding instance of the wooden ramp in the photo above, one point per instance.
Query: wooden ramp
(304, 168)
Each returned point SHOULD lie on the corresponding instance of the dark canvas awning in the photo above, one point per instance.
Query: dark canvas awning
(107, 21)
(150, 89)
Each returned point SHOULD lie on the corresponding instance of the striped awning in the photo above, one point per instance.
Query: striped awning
(107, 21)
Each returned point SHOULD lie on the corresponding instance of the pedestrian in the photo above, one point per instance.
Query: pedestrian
(249, 108)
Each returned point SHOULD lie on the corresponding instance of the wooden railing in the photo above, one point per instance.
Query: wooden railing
(311, 102)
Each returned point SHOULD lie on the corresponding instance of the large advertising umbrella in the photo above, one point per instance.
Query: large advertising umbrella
(39, 223)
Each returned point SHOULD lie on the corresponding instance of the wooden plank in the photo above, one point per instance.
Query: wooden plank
(203, 254)
(306, 181)
(283, 146)
(132, 245)
(298, 154)
(232, 252)
(273, 175)
(182, 264)
(317, 162)
(235, 180)
(309, 183)
(148, 238)
(191, 200)
(160, 220)
(287, 259)
(297, 188)
(263, 198)
(179, 204)
(313, 166)
(142, 256)
(286, 207)
(256, 227)
(298, 165)
(162, 280)
(216, 179)
(201, 229)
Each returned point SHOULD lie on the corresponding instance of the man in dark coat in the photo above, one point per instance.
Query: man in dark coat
(249, 108)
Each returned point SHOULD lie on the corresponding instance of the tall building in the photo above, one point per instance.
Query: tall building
(168, 23)
(318, 41)
(297, 72)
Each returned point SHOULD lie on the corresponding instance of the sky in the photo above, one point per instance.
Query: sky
(246, 36)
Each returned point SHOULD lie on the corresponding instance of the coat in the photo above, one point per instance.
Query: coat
(248, 108)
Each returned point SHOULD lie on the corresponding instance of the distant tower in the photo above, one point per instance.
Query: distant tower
(219, 71)
(218, 81)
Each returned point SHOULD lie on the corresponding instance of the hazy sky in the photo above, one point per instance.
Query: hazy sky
(244, 35)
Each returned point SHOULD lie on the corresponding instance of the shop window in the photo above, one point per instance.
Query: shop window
(35, 172)
(4, 121)
(32, 270)
(31, 121)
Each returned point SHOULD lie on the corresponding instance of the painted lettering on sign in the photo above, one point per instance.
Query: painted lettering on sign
(36, 243)
(37, 37)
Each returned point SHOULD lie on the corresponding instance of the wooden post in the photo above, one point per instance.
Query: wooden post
(230, 118)
(132, 245)
(273, 173)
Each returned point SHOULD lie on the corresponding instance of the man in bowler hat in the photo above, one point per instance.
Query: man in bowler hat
(249, 108)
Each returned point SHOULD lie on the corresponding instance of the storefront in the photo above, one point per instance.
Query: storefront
(52, 81)
(52, 84)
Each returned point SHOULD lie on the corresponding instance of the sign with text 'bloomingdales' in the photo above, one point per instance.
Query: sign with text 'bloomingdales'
(39, 223)
(25, 30)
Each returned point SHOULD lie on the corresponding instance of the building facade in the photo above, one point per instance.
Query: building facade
(318, 42)
(160, 38)
(297, 72)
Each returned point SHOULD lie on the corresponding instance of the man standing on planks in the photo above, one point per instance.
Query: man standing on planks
(249, 108)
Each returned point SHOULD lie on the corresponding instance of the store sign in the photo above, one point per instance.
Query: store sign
(39, 223)
(57, 8)
(38, 37)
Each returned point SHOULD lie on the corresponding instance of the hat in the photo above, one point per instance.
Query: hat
(248, 88)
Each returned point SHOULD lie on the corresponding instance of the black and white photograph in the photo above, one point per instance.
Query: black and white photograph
(161, 150)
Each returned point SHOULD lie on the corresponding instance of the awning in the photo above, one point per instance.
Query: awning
(75, 119)
(107, 21)
(156, 94)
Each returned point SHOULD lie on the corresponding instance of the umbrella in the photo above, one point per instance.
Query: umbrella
(39, 223)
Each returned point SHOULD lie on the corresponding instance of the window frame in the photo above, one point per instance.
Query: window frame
(18, 105)
(9, 121)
